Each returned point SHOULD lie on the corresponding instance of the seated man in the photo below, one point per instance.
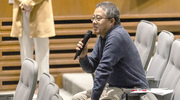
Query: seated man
(114, 59)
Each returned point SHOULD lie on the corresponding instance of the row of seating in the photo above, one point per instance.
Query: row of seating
(163, 70)
(171, 75)
(25, 90)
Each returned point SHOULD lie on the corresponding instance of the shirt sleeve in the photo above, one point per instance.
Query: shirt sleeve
(90, 62)
(112, 53)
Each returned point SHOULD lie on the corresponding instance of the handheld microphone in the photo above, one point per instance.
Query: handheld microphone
(86, 38)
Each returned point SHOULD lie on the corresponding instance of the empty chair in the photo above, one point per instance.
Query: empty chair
(50, 90)
(145, 40)
(172, 72)
(160, 58)
(171, 76)
(27, 81)
(45, 79)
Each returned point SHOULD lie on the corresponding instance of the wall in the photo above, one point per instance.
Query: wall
(86, 7)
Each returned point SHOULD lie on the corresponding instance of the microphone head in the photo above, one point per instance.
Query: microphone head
(86, 38)
(89, 32)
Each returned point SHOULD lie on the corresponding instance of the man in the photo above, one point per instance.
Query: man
(114, 59)
(33, 24)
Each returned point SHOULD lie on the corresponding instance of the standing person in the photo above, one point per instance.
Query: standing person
(33, 24)
(114, 59)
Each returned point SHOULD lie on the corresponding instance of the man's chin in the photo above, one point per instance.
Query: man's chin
(96, 32)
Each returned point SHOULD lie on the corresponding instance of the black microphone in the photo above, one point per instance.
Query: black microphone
(86, 38)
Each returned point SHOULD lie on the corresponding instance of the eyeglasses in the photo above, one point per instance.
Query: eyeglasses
(97, 19)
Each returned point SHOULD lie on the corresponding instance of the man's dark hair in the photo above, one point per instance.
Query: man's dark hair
(111, 10)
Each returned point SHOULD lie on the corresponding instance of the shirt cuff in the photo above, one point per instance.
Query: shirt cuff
(95, 95)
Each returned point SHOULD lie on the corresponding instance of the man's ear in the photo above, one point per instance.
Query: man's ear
(112, 20)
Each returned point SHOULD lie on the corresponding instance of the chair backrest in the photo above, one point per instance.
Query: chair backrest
(45, 79)
(56, 97)
(161, 56)
(145, 40)
(50, 90)
(171, 74)
(27, 82)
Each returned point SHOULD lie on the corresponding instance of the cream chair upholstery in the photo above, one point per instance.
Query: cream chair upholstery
(171, 74)
(160, 58)
(45, 79)
(56, 97)
(27, 82)
(50, 91)
(145, 40)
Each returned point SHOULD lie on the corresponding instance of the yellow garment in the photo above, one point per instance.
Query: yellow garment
(41, 18)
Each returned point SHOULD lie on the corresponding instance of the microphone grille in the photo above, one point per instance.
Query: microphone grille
(89, 32)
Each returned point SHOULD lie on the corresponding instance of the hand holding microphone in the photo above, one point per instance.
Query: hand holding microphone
(24, 7)
(81, 45)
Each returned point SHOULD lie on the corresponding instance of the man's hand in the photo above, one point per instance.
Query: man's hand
(89, 99)
(25, 8)
(84, 51)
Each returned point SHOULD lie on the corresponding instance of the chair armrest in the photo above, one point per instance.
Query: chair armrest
(150, 77)
(160, 93)
(151, 96)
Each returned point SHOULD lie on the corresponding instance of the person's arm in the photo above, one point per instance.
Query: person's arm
(90, 62)
(112, 53)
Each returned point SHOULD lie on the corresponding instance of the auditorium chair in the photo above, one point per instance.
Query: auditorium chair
(27, 81)
(45, 79)
(50, 90)
(145, 40)
(171, 75)
(175, 95)
(172, 72)
(160, 58)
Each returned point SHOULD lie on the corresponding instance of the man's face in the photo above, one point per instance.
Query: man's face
(101, 24)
